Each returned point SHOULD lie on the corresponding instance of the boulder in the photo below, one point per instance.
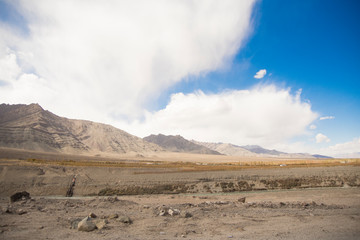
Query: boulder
(19, 196)
(74, 223)
(125, 219)
(86, 225)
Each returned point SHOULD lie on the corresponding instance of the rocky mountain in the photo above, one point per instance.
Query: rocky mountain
(31, 127)
(260, 150)
(227, 149)
(178, 144)
(250, 151)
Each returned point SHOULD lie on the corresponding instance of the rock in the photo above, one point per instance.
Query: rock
(163, 212)
(188, 215)
(19, 196)
(101, 224)
(242, 200)
(114, 215)
(125, 219)
(173, 212)
(86, 225)
(21, 212)
(74, 223)
(92, 215)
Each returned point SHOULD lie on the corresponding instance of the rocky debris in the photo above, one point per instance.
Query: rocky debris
(242, 200)
(164, 211)
(303, 205)
(19, 196)
(86, 225)
(124, 219)
(92, 215)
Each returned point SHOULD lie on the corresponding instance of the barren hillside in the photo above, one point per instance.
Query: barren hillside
(31, 127)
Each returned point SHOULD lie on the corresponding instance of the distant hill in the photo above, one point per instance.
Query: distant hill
(178, 144)
(227, 149)
(250, 151)
(260, 150)
(31, 127)
(320, 156)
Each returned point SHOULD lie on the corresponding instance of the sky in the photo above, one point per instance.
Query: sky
(275, 73)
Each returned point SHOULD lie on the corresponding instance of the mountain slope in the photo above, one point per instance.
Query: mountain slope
(250, 151)
(227, 149)
(178, 144)
(31, 127)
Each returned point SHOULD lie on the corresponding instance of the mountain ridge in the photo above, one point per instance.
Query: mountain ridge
(178, 144)
(33, 128)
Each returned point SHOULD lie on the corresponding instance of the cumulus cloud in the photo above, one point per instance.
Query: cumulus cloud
(320, 138)
(327, 118)
(264, 115)
(260, 74)
(111, 58)
(347, 150)
(312, 126)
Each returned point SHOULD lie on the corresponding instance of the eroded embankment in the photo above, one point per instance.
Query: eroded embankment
(210, 186)
(45, 180)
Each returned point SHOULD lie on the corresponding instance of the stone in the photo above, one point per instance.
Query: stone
(21, 211)
(101, 224)
(242, 200)
(86, 225)
(74, 223)
(114, 215)
(173, 212)
(19, 196)
(188, 215)
(125, 219)
(92, 215)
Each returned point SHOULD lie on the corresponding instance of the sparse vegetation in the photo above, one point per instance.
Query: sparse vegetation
(190, 166)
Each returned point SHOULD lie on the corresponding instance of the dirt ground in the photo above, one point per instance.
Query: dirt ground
(327, 213)
(162, 203)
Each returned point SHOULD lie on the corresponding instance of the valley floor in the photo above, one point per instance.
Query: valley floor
(172, 201)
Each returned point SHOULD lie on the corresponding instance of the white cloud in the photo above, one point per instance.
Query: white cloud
(264, 115)
(320, 138)
(327, 118)
(346, 150)
(312, 126)
(108, 59)
(260, 74)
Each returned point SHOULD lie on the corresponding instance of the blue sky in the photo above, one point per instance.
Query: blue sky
(188, 68)
(308, 45)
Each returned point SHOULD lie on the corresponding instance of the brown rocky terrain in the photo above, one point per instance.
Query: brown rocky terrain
(31, 127)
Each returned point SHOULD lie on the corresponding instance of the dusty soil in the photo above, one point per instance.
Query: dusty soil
(331, 213)
(280, 202)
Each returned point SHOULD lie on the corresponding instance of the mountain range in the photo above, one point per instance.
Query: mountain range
(179, 144)
(33, 128)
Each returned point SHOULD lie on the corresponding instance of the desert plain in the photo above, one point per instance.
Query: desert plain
(178, 196)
